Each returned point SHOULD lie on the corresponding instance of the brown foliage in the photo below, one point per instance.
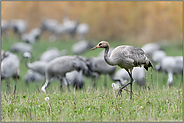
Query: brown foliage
(131, 20)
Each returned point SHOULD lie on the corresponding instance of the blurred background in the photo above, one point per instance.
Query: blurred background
(48, 30)
(129, 20)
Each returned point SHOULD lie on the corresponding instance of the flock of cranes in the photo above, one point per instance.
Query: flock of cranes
(54, 27)
(72, 69)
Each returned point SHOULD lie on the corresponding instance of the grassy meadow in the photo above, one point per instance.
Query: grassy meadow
(157, 102)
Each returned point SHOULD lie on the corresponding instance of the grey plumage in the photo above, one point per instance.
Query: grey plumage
(126, 57)
(75, 78)
(99, 66)
(51, 53)
(81, 46)
(19, 26)
(171, 65)
(149, 48)
(158, 55)
(32, 76)
(32, 36)
(101, 54)
(5, 26)
(82, 30)
(37, 66)
(138, 74)
(48, 25)
(60, 66)
(10, 68)
(21, 47)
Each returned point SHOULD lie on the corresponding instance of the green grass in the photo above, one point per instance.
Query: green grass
(155, 103)
(93, 106)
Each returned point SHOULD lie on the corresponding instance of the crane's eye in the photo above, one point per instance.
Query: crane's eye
(100, 44)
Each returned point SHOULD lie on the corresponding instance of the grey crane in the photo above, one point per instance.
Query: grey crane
(51, 53)
(3, 54)
(171, 65)
(75, 78)
(37, 66)
(70, 25)
(48, 25)
(19, 26)
(21, 47)
(178, 65)
(138, 74)
(32, 36)
(149, 48)
(99, 66)
(28, 38)
(36, 32)
(60, 66)
(32, 76)
(5, 26)
(158, 55)
(10, 68)
(82, 30)
(81, 46)
(126, 57)
(59, 30)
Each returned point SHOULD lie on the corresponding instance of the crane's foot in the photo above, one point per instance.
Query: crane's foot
(119, 92)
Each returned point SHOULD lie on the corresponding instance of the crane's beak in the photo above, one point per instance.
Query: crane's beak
(95, 47)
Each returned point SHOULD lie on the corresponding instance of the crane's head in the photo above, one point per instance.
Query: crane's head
(27, 55)
(101, 44)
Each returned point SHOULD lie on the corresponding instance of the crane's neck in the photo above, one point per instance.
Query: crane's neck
(106, 56)
(28, 64)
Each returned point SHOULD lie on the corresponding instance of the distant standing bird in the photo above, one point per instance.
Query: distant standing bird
(19, 26)
(32, 36)
(5, 25)
(48, 25)
(59, 66)
(82, 30)
(10, 68)
(70, 26)
(149, 48)
(126, 57)
(158, 55)
(81, 46)
(21, 47)
(171, 65)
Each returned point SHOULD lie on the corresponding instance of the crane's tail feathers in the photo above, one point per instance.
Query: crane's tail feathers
(147, 66)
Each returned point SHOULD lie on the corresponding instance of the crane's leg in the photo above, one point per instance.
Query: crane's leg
(95, 80)
(37, 87)
(61, 84)
(15, 87)
(68, 86)
(45, 86)
(105, 81)
(8, 84)
(131, 81)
